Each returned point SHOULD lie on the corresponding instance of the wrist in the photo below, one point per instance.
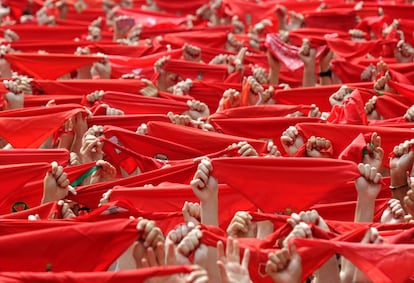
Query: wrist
(399, 187)
(327, 73)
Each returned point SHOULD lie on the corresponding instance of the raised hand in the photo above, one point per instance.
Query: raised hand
(374, 153)
(318, 147)
(55, 184)
(232, 268)
(284, 266)
(241, 225)
(291, 140)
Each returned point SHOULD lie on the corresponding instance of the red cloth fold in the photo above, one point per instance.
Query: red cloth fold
(126, 276)
(277, 179)
(18, 156)
(99, 243)
(170, 197)
(23, 183)
(286, 53)
(48, 66)
(127, 122)
(250, 12)
(206, 142)
(152, 146)
(342, 135)
(17, 126)
(338, 19)
(350, 49)
(376, 261)
(351, 111)
(315, 95)
(151, 18)
(139, 104)
(261, 128)
(196, 71)
(181, 172)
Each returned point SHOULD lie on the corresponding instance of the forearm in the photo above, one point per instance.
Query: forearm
(364, 211)
(209, 212)
(309, 77)
(399, 193)
(274, 76)
(347, 271)
(328, 272)
(77, 143)
(211, 265)
(65, 141)
(399, 186)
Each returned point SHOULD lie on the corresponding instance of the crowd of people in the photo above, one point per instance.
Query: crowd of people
(206, 141)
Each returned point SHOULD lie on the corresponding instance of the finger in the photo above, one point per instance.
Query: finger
(246, 259)
(72, 190)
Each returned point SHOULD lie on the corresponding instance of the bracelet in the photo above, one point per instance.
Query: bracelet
(392, 188)
(327, 73)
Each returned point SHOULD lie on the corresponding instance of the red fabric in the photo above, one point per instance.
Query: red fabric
(350, 112)
(315, 35)
(14, 177)
(210, 93)
(180, 7)
(151, 18)
(376, 261)
(355, 150)
(391, 106)
(48, 66)
(286, 53)
(139, 104)
(245, 95)
(345, 211)
(10, 227)
(339, 19)
(206, 142)
(404, 89)
(170, 197)
(249, 12)
(127, 159)
(128, 276)
(342, 135)
(16, 126)
(260, 111)
(67, 46)
(127, 122)
(182, 172)
(83, 87)
(45, 211)
(196, 71)
(346, 70)
(215, 37)
(42, 100)
(47, 33)
(16, 156)
(373, 24)
(400, 11)
(30, 190)
(99, 244)
(151, 145)
(314, 95)
(350, 50)
(142, 66)
(280, 188)
(261, 128)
